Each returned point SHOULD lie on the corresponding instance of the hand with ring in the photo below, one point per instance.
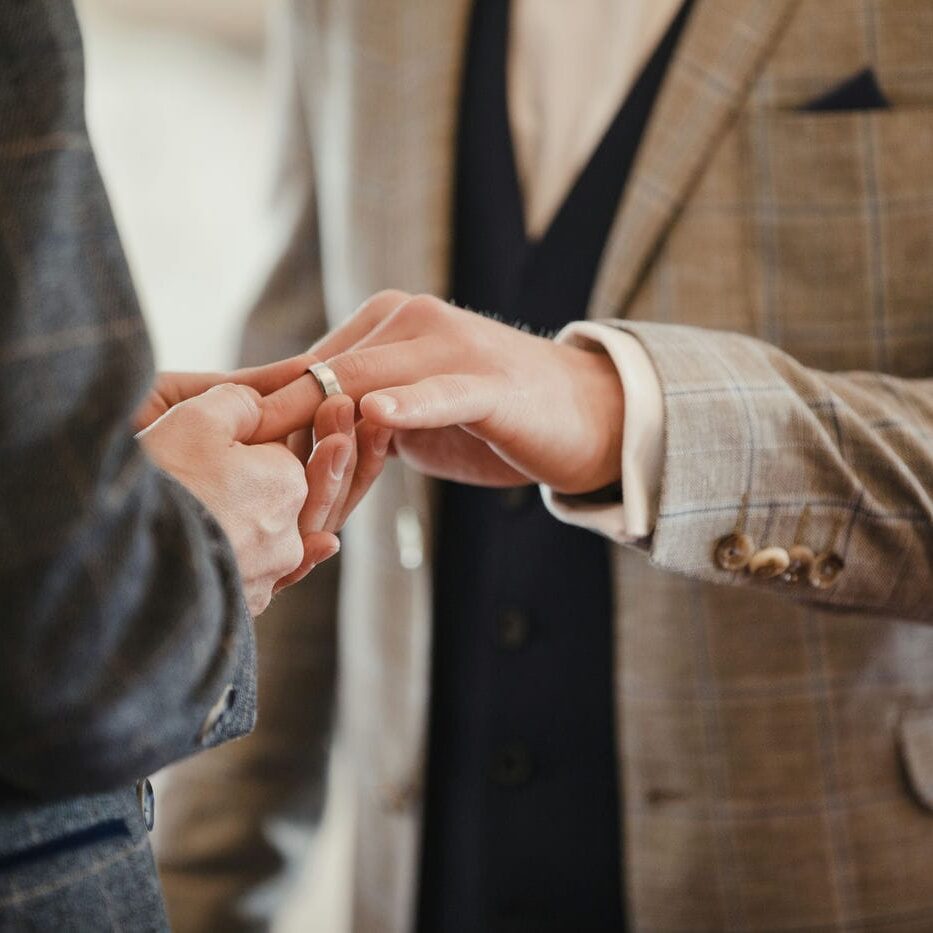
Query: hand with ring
(469, 398)
(340, 460)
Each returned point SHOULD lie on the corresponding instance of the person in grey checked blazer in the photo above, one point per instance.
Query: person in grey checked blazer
(126, 586)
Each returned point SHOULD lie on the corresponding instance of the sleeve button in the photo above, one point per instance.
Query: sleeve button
(146, 797)
(826, 570)
(768, 563)
(800, 566)
(734, 551)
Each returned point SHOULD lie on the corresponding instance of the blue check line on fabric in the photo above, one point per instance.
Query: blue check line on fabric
(100, 832)
(731, 389)
(915, 518)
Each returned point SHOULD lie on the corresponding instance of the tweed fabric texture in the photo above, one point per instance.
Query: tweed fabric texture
(122, 619)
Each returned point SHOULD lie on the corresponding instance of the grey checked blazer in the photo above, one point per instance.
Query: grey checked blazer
(124, 639)
(775, 742)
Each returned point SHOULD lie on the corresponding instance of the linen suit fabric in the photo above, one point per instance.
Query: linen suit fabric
(122, 619)
(775, 753)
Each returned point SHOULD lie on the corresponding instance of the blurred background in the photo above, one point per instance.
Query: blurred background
(176, 106)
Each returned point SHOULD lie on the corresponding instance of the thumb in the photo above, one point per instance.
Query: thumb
(233, 409)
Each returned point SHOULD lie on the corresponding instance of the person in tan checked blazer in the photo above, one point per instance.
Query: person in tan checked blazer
(775, 263)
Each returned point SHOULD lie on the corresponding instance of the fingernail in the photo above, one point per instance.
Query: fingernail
(387, 404)
(345, 419)
(381, 441)
(338, 466)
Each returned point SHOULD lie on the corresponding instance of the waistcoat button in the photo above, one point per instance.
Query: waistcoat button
(512, 765)
(513, 628)
(517, 498)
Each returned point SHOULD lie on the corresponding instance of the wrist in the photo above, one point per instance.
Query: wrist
(600, 404)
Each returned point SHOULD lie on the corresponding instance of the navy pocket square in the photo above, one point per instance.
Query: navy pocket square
(860, 92)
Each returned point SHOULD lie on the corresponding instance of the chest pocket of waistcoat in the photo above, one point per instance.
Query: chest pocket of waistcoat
(839, 235)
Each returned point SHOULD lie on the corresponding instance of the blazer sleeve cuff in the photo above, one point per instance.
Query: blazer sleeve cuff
(224, 705)
(628, 517)
(759, 445)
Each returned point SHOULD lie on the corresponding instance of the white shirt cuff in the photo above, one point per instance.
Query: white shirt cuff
(632, 518)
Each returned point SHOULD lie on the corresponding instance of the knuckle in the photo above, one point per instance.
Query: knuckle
(297, 490)
(456, 389)
(293, 554)
(420, 309)
(381, 304)
(236, 394)
(193, 414)
(284, 481)
(233, 391)
(258, 600)
(349, 368)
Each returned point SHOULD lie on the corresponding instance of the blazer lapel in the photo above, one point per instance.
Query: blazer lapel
(723, 48)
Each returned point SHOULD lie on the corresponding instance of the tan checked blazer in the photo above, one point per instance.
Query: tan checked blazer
(776, 741)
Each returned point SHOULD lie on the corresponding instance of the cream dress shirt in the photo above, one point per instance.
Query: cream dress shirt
(570, 66)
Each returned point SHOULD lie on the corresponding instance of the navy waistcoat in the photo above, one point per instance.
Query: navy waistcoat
(522, 820)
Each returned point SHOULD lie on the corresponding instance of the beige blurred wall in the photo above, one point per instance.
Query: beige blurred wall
(176, 108)
(233, 21)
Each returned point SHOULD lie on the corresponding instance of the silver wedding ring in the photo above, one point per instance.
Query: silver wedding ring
(326, 379)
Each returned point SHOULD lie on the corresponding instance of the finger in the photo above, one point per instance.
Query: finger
(325, 473)
(231, 410)
(319, 546)
(453, 454)
(334, 416)
(290, 409)
(358, 372)
(372, 445)
(368, 316)
(301, 443)
(295, 406)
(436, 402)
(337, 415)
(394, 364)
(176, 387)
(271, 377)
(171, 388)
(168, 390)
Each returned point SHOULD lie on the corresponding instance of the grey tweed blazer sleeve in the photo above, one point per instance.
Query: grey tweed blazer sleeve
(124, 639)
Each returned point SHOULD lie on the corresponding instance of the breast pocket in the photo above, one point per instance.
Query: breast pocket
(843, 224)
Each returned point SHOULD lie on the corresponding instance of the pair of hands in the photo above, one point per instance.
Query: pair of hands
(279, 513)
(461, 397)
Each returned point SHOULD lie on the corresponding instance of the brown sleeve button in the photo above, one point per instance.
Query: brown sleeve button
(801, 563)
(826, 569)
(734, 551)
(769, 562)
